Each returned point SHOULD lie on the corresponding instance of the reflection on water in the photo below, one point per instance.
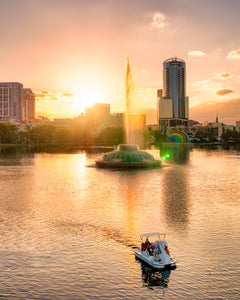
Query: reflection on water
(153, 278)
(176, 202)
(175, 188)
(69, 230)
(10, 156)
(175, 153)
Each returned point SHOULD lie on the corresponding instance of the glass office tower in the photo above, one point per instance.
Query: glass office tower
(174, 86)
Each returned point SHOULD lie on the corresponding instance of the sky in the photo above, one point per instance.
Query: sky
(73, 53)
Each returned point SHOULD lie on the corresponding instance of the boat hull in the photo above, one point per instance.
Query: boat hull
(155, 264)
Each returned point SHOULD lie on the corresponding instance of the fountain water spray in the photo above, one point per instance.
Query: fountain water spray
(128, 155)
(129, 90)
(134, 123)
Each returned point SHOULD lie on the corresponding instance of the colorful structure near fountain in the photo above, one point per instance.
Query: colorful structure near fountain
(178, 137)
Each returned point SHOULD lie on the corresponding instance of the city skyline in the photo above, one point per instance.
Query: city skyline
(73, 53)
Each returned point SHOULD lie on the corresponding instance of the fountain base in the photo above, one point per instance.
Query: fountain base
(128, 156)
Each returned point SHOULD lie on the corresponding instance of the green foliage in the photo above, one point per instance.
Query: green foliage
(159, 137)
(73, 135)
(110, 136)
(231, 136)
(201, 134)
(84, 134)
(49, 134)
(8, 133)
(205, 135)
(42, 134)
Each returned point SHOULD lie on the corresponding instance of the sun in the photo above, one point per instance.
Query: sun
(87, 97)
(90, 96)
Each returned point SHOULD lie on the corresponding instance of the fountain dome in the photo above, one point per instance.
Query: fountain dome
(128, 156)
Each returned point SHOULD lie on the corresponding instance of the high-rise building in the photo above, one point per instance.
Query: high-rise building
(174, 85)
(173, 104)
(11, 102)
(16, 103)
(29, 104)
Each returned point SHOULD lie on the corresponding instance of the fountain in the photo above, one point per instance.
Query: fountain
(128, 155)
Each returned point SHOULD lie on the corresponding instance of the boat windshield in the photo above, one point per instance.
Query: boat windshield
(160, 236)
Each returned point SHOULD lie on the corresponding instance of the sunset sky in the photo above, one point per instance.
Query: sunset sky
(73, 52)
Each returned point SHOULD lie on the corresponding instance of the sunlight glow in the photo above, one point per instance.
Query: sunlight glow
(90, 96)
(87, 97)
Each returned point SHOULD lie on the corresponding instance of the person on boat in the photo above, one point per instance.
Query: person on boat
(143, 247)
(167, 251)
(150, 250)
(157, 251)
(147, 243)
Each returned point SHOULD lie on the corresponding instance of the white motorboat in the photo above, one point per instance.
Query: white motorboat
(159, 256)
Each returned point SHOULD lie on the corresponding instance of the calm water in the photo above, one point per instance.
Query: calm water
(68, 229)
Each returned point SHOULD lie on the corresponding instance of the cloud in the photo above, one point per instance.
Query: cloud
(158, 20)
(234, 54)
(209, 90)
(225, 75)
(196, 53)
(224, 92)
(67, 94)
(228, 111)
(206, 85)
(52, 95)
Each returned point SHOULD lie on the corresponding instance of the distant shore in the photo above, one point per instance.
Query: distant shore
(102, 148)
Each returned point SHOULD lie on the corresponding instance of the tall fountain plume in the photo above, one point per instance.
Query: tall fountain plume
(134, 121)
(128, 155)
(129, 90)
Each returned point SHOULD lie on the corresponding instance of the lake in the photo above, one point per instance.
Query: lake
(69, 229)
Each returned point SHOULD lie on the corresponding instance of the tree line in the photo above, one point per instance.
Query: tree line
(228, 136)
(49, 134)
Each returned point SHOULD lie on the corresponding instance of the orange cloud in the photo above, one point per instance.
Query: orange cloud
(234, 54)
(227, 110)
(67, 94)
(224, 92)
(225, 75)
(196, 53)
(52, 95)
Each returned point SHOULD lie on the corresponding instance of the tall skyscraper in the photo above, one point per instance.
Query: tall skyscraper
(173, 104)
(174, 85)
(16, 103)
(11, 102)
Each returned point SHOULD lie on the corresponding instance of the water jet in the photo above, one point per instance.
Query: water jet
(128, 155)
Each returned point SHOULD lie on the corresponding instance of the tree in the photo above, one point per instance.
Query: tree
(43, 134)
(159, 137)
(8, 133)
(231, 135)
(110, 136)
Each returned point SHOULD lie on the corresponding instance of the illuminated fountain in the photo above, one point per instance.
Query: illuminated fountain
(128, 155)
